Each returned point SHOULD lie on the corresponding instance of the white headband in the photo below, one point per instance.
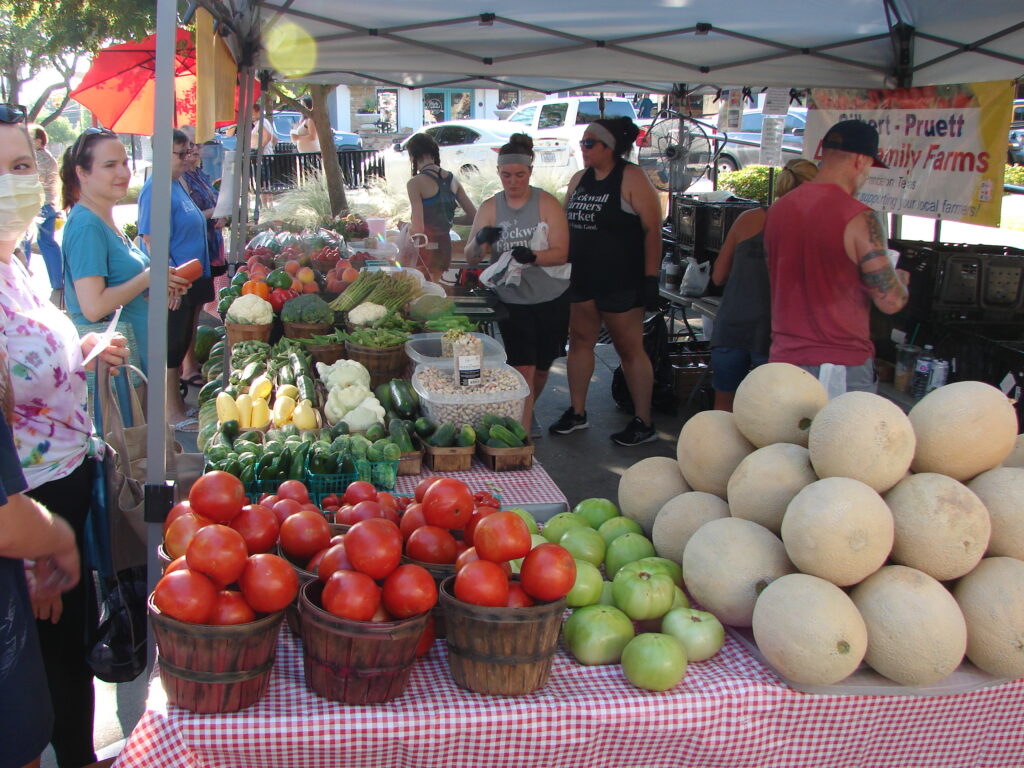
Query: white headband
(515, 159)
(602, 134)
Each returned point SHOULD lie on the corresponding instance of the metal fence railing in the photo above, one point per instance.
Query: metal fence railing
(286, 170)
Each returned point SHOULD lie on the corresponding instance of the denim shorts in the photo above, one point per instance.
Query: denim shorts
(729, 365)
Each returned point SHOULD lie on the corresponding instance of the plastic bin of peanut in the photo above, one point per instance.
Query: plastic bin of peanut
(502, 391)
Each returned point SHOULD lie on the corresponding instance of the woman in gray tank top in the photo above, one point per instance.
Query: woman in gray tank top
(743, 328)
(537, 327)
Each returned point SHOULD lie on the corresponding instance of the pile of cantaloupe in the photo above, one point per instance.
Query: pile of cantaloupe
(846, 531)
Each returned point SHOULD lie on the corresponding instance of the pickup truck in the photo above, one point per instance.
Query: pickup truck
(566, 117)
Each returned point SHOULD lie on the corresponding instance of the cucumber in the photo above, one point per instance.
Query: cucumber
(375, 432)
(466, 436)
(501, 433)
(496, 443)
(251, 371)
(401, 398)
(424, 427)
(490, 419)
(515, 428)
(400, 436)
(306, 391)
(230, 430)
(444, 436)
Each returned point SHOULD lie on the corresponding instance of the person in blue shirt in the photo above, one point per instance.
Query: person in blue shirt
(103, 269)
(188, 241)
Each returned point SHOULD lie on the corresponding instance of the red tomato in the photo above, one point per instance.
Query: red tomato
(285, 508)
(404, 502)
(482, 582)
(330, 500)
(218, 552)
(422, 485)
(304, 534)
(412, 519)
(409, 591)
(486, 499)
(180, 533)
(364, 510)
(548, 572)
(314, 564)
(374, 547)
(293, 489)
(334, 559)
(390, 514)
(358, 491)
(268, 583)
(337, 539)
(186, 596)
(231, 608)
(218, 496)
(448, 503)
(310, 506)
(460, 547)
(178, 564)
(351, 595)
(179, 509)
(430, 544)
(258, 526)
(269, 499)
(381, 615)
(517, 597)
(501, 536)
(386, 500)
(469, 554)
(478, 514)
(427, 638)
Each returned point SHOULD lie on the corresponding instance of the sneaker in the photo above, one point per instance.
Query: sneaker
(569, 421)
(636, 433)
(535, 429)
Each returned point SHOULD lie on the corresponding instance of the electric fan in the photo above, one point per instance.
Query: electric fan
(676, 151)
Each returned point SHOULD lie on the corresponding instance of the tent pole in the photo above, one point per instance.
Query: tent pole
(240, 203)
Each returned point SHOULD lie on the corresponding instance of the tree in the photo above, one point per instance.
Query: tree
(40, 35)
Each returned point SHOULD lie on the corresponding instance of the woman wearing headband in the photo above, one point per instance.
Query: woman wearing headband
(615, 251)
(538, 304)
(53, 434)
(434, 193)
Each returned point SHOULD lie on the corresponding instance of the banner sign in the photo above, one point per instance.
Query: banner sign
(945, 146)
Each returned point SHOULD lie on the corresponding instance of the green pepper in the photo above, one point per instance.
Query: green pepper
(279, 278)
(239, 279)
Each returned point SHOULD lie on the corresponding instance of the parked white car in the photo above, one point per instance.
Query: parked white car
(469, 146)
(565, 118)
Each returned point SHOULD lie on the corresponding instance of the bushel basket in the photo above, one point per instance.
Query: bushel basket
(383, 363)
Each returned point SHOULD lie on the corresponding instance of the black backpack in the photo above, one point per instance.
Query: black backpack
(663, 398)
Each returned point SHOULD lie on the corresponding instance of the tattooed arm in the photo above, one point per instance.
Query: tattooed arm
(866, 247)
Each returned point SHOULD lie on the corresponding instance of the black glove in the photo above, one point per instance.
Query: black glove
(652, 298)
(488, 235)
(523, 255)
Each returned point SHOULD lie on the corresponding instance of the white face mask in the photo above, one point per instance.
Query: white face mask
(21, 197)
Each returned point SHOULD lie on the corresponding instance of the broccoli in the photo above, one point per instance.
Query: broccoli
(307, 308)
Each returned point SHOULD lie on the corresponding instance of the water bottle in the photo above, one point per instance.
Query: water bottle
(922, 373)
(673, 272)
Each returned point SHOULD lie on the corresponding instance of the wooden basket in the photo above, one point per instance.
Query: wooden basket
(212, 669)
(410, 463)
(500, 651)
(237, 332)
(355, 662)
(384, 364)
(163, 558)
(454, 459)
(440, 572)
(506, 459)
(306, 330)
(327, 353)
(291, 612)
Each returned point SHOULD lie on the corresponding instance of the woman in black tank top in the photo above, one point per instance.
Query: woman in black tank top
(615, 249)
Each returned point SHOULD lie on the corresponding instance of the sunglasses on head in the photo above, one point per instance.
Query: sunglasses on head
(87, 134)
(12, 114)
(589, 143)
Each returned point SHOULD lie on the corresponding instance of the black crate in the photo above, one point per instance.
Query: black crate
(721, 217)
(700, 227)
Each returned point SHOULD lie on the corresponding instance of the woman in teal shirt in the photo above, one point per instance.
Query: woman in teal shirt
(105, 270)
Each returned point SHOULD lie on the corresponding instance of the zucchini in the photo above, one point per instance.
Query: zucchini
(383, 394)
(401, 398)
(209, 391)
(251, 371)
(400, 436)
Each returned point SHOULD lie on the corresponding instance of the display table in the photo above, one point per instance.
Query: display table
(728, 712)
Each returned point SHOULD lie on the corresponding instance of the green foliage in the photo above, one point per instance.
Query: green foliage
(1014, 175)
(132, 196)
(750, 182)
(60, 131)
(131, 231)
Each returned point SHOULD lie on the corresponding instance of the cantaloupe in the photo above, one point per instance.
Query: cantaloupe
(646, 486)
(963, 429)
(776, 402)
(809, 630)
(1016, 457)
(764, 483)
(727, 563)
(863, 436)
(942, 528)
(1001, 490)
(709, 449)
(992, 600)
(839, 530)
(679, 519)
(916, 632)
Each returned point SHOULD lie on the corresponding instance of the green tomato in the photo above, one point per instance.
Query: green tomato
(535, 541)
(654, 661)
(560, 523)
(597, 634)
(643, 594)
(670, 568)
(616, 526)
(587, 588)
(624, 549)
(584, 544)
(596, 511)
(606, 594)
(700, 632)
(531, 523)
(679, 599)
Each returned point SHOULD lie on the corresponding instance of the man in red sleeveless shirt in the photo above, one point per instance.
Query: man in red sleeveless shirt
(827, 263)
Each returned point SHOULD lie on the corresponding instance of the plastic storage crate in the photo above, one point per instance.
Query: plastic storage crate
(425, 348)
(470, 406)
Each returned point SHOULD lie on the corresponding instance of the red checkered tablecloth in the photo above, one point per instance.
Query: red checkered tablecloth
(728, 712)
(518, 488)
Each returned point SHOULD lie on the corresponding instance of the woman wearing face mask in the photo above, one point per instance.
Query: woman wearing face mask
(104, 270)
(53, 434)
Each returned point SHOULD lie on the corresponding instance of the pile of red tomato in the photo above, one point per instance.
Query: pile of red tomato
(217, 541)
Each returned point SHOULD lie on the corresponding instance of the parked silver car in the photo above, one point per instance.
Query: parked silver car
(736, 155)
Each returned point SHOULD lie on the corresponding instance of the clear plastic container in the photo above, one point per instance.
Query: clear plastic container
(426, 348)
(459, 407)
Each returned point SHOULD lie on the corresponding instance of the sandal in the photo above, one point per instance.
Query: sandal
(188, 424)
(196, 380)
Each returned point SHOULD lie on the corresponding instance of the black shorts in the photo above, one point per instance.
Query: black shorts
(535, 334)
(608, 299)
